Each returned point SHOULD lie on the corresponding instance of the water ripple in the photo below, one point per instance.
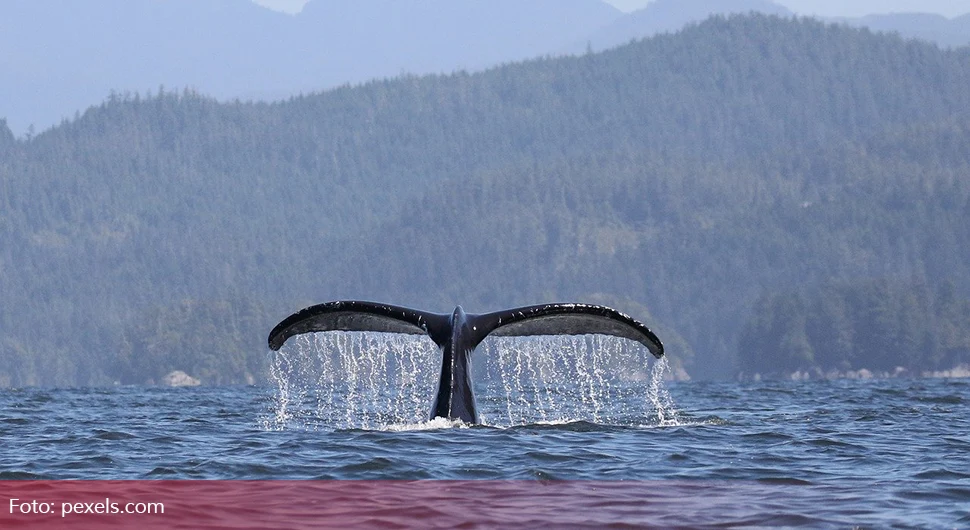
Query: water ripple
(112, 435)
(836, 454)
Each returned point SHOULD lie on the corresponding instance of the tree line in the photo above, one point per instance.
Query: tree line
(877, 325)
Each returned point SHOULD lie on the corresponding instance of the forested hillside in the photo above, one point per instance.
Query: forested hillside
(834, 328)
(686, 176)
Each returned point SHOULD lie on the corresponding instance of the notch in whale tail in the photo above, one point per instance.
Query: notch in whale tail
(459, 333)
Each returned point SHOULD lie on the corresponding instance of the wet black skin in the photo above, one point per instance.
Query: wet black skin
(456, 398)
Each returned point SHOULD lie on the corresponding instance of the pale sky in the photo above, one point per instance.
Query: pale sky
(825, 8)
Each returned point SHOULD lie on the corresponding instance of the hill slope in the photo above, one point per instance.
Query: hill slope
(665, 16)
(685, 175)
(59, 57)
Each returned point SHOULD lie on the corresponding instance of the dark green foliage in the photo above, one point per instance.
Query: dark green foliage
(206, 339)
(873, 324)
(686, 174)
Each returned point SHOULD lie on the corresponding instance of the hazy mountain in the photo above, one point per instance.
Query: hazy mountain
(57, 57)
(60, 56)
(671, 15)
(934, 28)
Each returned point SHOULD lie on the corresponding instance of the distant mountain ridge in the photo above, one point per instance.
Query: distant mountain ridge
(63, 56)
(58, 57)
(663, 16)
(952, 32)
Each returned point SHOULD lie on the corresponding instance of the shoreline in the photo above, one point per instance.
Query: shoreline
(957, 372)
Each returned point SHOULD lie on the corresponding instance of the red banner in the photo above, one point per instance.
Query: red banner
(382, 504)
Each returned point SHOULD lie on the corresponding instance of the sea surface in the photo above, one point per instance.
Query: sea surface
(869, 453)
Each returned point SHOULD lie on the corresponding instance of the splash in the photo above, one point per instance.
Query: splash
(562, 379)
(659, 396)
(428, 425)
(341, 380)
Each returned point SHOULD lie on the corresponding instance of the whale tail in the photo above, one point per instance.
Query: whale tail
(458, 334)
(566, 319)
(546, 319)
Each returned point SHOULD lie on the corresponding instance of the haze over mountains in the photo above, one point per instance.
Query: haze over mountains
(58, 57)
(934, 28)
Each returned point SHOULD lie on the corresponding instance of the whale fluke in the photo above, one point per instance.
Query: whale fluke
(458, 334)
(568, 319)
(358, 316)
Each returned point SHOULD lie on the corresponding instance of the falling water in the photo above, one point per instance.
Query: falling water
(354, 380)
(557, 379)
(340, 380)
(659, 396)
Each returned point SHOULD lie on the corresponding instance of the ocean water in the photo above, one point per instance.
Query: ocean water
(870, 453)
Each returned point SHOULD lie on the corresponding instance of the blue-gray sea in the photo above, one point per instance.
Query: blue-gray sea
(872, 453)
